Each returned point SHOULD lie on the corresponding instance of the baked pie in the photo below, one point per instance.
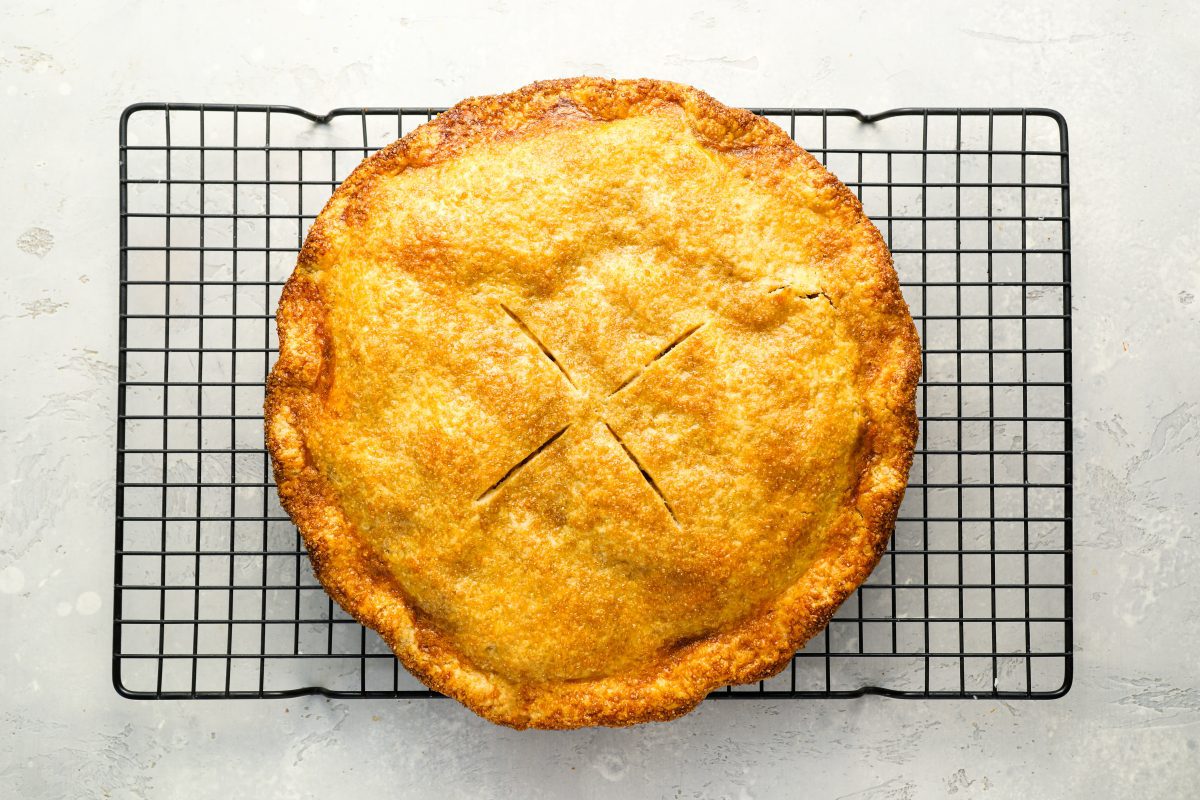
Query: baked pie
(592, 398)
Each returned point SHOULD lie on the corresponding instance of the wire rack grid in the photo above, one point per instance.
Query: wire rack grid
(214, 597)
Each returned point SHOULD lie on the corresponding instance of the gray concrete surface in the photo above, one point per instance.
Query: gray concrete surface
(1126, 76)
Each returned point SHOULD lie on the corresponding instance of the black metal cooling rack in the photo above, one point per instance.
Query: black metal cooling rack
(213, 593)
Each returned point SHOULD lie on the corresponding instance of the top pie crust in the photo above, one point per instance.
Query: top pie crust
(591, 398)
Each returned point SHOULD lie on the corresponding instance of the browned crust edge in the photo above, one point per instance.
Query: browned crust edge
(759, 648)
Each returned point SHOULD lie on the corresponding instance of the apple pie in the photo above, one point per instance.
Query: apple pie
(592, 398)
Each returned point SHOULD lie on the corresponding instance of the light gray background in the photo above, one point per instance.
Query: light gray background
(1128, 81)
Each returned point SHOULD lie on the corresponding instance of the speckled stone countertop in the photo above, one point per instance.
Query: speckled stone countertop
(1128, 81)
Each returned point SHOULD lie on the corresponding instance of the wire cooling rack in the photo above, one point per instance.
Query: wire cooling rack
(214, 595)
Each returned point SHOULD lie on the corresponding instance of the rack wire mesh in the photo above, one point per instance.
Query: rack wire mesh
(214, 597)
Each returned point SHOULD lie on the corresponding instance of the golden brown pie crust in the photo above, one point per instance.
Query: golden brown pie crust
(592, 398)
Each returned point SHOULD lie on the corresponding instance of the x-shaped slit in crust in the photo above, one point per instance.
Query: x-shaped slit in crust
(678, 340)
(491, 490)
